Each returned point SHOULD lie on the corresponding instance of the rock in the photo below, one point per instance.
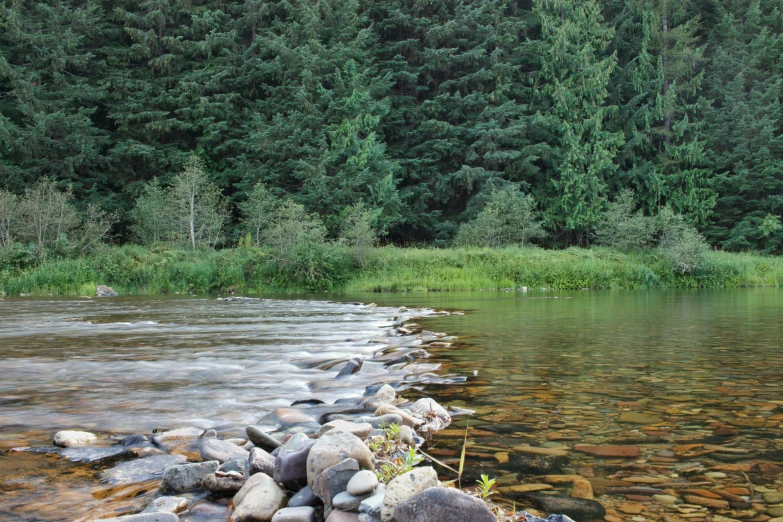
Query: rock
(261, 462)
(186, 477)
(261, 439)
(258, 500)
(706, 502)
(238, 465)
(407, 435)
(632, 508)
(144, 517)
(342, 516)
(407, 419)
(384, 395)
(666, 500)
(93, 454)
(362, 483)
(372, 505)
(406, 486)
(224, 486)
(344, 501)
(105, 291)
(575, 508)
(141, 470)
(351, 367)
(608, 451)
(631, 417)
(773, 497)
(537, 464)
(167, 505)
(334, 480)
(364, 517)
(222, 451)
(334, 447)
(304, 497)
(173, 438)
(435, 417)
(360, 429)
(775, 512)
(132, 440)
(291, 462)
(382, 421)
(443, 505)
(295, 514)
(582, 489)
(72, 439)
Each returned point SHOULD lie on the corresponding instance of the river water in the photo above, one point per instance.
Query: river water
(654, 369)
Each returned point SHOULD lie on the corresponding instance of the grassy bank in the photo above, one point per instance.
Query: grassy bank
(138, 270)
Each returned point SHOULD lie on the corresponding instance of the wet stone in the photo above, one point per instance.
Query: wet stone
(145, 517)
(167, 505)
(443, 505)
(186, 477)
(141, 470)
(261, 438)
(222, 450)
(93, 454)
(304, 497)
(575, 508)
(295, 514)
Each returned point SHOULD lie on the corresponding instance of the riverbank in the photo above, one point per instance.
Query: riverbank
(135, 270)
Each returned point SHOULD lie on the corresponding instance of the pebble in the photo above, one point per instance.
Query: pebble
(362, 483)
(222, 451)
(295, 514)
(72, 439)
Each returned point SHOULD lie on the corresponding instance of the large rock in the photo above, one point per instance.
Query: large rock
(334, 479)
(261, 462)
(167, 505)
(334, 447)
(72, 439)
(385, 395)
(407, 419)
(222, 451)
(304, 497)
(295, 514)
(351, 367)
(576, 508)
(223, 486)
(443, 505)
(434, 415)
(105, 291)
(258, 500)
(291, 462)
(342, 516)
(144, 517)
(406, 486)
(360, 429)
(186, 477)
(141, 470)
(261, 438)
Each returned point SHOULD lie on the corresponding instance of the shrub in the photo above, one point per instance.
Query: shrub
(509, 218)
(680, 243)
(622, 228)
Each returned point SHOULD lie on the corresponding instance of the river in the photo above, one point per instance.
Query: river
(654, 369)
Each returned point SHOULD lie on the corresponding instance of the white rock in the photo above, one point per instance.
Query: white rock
(71, 439)
(362, 483)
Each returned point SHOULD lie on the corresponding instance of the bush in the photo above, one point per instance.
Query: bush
(680, 243)
(508, 219)
(622, 228)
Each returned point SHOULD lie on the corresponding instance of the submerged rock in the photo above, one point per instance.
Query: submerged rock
(93, 454)
(141, 470)
(105, 291)
(351, 367)
(576, 508)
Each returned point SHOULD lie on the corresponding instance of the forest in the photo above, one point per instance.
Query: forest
(419, 113)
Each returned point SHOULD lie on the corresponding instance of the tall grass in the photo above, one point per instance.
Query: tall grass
(139, 270)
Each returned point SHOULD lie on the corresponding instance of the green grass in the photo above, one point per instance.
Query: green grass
(139, 270)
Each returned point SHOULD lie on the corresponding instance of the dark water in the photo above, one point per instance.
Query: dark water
(553, 369)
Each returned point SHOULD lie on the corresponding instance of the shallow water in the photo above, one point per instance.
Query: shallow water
(554, 369)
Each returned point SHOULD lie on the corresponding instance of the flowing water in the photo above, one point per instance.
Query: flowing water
(658, 370)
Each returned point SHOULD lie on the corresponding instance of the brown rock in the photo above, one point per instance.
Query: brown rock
(524, 488)
(737, 491)
(703, 493)
(631, 417)
(706, 502)
(724, 432)
(582, 489)
(631, 509)
(608, 451)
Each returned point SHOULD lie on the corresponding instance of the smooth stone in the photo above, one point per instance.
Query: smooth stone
(362, 483)
(608, 450)
(141, 470)
(538, 464)
(407, 419)
(372, 505)
(77, 454)
(361, 430)
(352, 366)
(131, 440)
(71, 439)
(631, 417)
(334, 447)
(222, 451)
(186, 477)
(776, 511)
(258, 500)
(384, 395)
(144, 517)
(295, 514)
(407, 436)
(344, 501)
(105, 291)
(261, 438)
(261, 462)
(666, 500)
(773, 497)
(222, 486)
(167, 505)
(406, 486)
(291, 461)
(380, 422)
(210, 434)
(161, 439)
(342, 516)
(434, 415)
(334, 480)
(304, 497)
(238, 465)
(575, 508)
(443, 505)
(364, 517)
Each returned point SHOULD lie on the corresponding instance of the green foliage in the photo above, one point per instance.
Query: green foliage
(680, 243)
(509, 218)
(399, 465)
(258, 210)
(485, 486)
(622, 228)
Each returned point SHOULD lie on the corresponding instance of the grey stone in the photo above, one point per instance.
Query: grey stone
(407, 418)
(261, 462)
(334, 447)
(382, 421)
(238, 465)
(186, 477)
(351, 367)
(443, 505)
(304, 497)
(222, 451)
(167, 505)
(342, 516)
(404, 487)
(105, 291)
(258, 500)
(372, 505)
(575, 508)
(295, 514)
(538, 464)
(435, 416)
(261, 438)
(362, 483)
(141, 470)
(93, 454)
(407, 435)
(144, 517)
(224, 486)
(361, 430)
(291, 461)
(364, 517)
(344, 501)
(334, 480)
(384, 395)
(209, 434)
(72, 439)
(174, 438)
(132, 440)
